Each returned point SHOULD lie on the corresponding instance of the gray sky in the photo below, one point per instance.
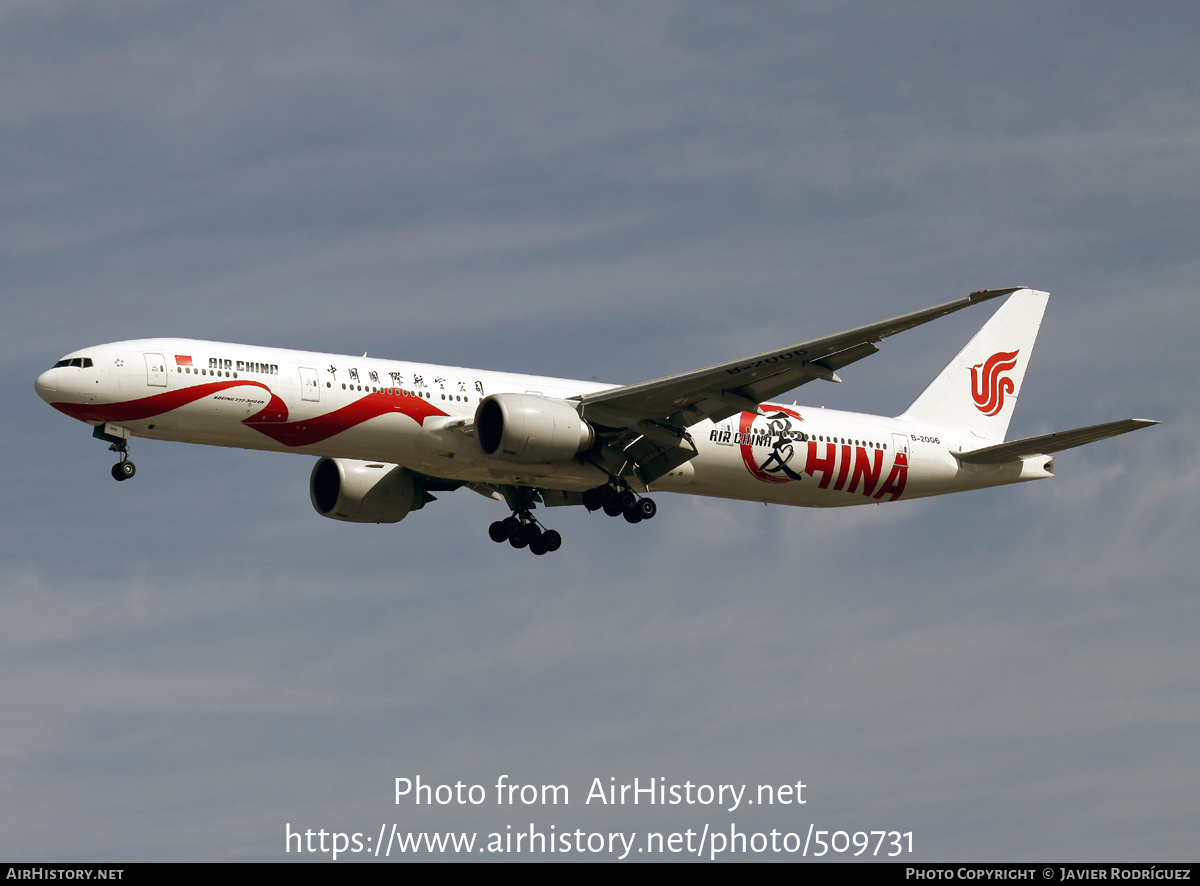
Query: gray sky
(195, 659)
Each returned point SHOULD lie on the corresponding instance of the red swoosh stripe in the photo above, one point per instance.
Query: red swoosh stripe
(148, 407)
(314, 430)
(271, 421)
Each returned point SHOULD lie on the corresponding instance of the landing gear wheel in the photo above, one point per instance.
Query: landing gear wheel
(592, 500)
(522, 529)
(633, 515)
(647, 508)
(123, 470)
(628, 500)
(612, 507)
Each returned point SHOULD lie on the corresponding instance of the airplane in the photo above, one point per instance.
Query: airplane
(388, 434)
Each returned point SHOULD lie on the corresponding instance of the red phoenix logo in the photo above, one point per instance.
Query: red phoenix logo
(989, 386)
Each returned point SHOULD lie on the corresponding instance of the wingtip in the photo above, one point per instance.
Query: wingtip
(983, 294)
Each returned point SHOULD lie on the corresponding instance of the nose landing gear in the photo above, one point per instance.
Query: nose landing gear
(118, 440)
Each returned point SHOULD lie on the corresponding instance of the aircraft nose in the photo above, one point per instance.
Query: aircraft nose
(47, 385)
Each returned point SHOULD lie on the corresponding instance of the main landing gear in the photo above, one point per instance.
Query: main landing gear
(523, 530)
(620, 502)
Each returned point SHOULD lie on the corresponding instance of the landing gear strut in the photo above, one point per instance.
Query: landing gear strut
(617, 501)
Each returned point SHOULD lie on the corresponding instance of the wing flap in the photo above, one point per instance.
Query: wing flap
(1050, 443)
(849, 355)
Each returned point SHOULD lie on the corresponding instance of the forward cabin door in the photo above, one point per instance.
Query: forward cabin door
(156, 370)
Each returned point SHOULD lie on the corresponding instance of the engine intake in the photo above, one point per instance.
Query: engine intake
(528, 429)
(363, 491)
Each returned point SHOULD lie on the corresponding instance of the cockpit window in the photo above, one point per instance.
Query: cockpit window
(62, 363)
(80, 362)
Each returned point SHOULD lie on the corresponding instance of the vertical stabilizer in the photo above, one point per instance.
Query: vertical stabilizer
(978, 390)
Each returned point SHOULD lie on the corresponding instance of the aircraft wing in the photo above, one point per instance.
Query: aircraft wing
(1051, 443)
(645, 425)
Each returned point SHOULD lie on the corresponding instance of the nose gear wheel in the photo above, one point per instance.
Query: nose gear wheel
(123, 470)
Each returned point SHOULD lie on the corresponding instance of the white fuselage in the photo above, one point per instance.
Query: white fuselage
(418, 416)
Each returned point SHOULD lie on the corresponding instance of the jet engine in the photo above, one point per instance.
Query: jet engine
(528, 429)
(363, 491)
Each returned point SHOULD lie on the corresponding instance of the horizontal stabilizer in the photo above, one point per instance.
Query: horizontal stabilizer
(1050, 443)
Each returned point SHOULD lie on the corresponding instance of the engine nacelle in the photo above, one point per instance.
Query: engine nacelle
(528, 429)
(363, 491)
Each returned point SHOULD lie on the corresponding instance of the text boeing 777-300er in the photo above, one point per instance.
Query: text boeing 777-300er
(390, 433)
